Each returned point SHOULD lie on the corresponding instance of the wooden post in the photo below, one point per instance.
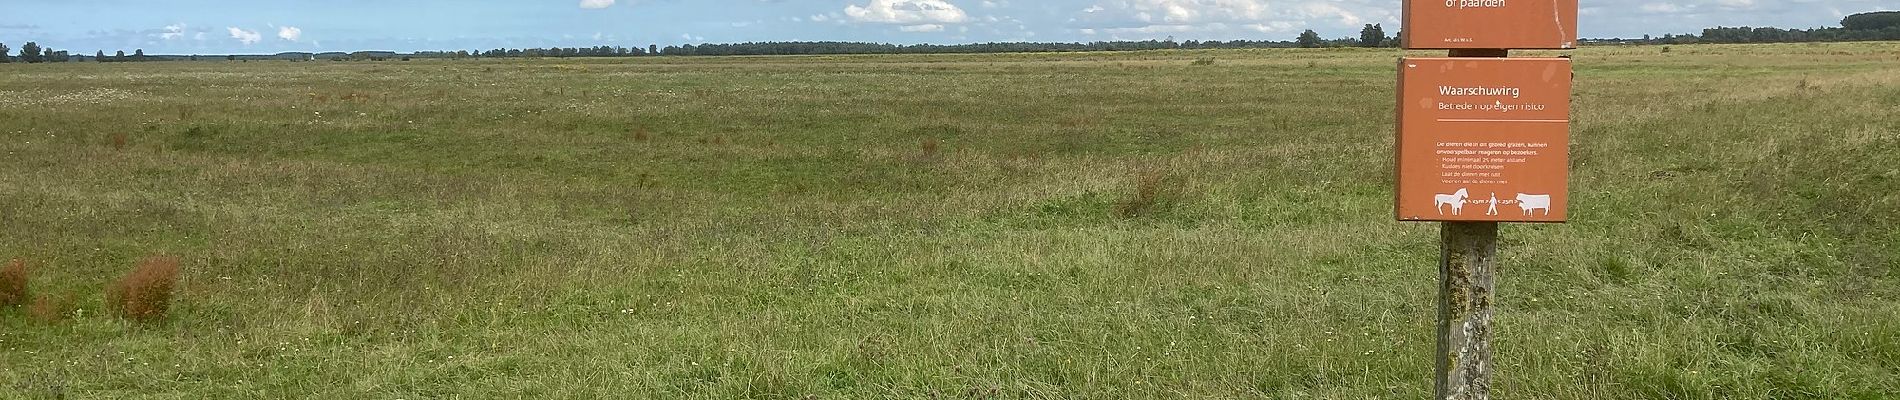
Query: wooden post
(1466, 270)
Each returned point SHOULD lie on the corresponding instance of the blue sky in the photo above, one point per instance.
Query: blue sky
(269, 26)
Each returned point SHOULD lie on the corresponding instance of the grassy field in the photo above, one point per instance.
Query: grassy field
(1105, 225)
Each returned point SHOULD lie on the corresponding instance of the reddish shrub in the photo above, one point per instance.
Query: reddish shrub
(145, 293)
(13, 284)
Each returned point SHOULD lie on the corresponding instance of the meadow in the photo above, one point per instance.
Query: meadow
(1162, 224)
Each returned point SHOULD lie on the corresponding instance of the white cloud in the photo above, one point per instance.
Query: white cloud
(173, 32)
(908, 12)
(1153, 18)
(921, 28)
(290, 33)
(1272, 27)
(1186, 11)
(1663, 8)
(1328, 10)
(247, 37)
(596, 4)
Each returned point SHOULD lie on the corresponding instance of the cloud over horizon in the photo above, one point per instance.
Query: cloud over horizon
(248, 37)
(907, 12)
(290, 33)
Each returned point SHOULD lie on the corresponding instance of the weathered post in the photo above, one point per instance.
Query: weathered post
(1465, 272)
(1472, 127)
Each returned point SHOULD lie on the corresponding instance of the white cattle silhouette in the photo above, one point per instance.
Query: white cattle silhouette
(1456, 200)
(1533, 202)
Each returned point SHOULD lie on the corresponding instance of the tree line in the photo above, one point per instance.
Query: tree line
(1372, 36)
(33, 53)
(1863, 27)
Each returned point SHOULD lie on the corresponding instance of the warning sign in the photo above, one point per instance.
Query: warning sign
(1483, 139)
(1490, 24)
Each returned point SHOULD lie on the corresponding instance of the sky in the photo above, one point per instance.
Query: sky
(271, 26)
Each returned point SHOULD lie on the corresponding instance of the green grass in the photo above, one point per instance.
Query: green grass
(496, 228)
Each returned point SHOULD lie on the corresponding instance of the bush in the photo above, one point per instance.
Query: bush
(145, 294)
(13, 284)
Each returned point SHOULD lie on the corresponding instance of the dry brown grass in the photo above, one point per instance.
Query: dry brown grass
(13, 291)
(50, 309)
(145, 294)
(932, 147)
(1150, 188)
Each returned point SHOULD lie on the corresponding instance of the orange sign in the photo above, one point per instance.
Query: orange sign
(1484, 139)
(1490, 24)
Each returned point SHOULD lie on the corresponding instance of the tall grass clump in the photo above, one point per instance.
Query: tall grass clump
(145, 294)
(1150, 188)
(50, 309)
(13, 284)
(931, 147)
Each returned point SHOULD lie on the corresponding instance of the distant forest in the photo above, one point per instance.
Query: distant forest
(1871, 26)
(1863, 27)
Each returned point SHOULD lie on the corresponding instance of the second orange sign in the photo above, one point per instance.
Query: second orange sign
(1484, 139)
